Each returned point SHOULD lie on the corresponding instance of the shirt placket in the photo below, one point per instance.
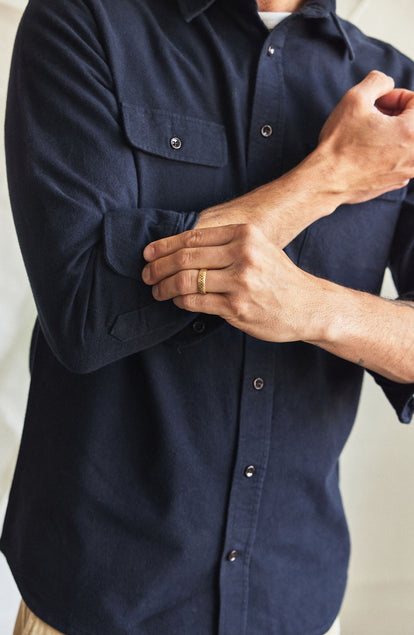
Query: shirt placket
(264, 152)
(247, 483)
(264, 157)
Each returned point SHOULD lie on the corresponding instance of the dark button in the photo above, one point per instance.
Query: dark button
(232, 555)
(271, 50)
(199, 327)
(258, 383)
(175, 143)
(266, 130)
(249, 471)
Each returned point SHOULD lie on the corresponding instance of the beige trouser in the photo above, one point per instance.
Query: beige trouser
(28, 624)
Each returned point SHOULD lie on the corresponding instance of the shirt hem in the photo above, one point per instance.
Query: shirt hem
(49, 618)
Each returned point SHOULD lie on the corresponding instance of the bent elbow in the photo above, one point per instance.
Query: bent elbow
(77, 358)
(76, 351)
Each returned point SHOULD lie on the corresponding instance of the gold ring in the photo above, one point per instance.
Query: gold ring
(201, 281)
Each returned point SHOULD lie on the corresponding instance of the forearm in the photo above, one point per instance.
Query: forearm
(285, 206)
(365, 329)
(344, 168)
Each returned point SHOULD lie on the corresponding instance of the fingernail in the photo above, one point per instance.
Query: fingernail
(146, 274)
(155, 291)
(149, 252)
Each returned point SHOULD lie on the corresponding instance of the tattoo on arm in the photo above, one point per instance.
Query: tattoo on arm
(361, 362)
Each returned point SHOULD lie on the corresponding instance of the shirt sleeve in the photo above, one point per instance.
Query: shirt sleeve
(401, 264)
(74, 194)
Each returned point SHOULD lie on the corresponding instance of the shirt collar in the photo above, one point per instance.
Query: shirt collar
(313, 8)
(318, 8)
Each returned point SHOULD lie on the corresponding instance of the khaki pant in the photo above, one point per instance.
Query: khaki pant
(28, 624)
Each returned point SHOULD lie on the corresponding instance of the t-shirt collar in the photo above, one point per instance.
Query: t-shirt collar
(313, 8)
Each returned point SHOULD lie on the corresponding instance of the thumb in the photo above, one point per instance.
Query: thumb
(396, 102)
(375, 85)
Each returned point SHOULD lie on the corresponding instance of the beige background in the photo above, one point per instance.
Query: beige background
(377, 465)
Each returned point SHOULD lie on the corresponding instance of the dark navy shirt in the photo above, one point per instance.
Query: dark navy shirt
(175, 476)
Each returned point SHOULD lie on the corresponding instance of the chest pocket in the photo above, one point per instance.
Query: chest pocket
(181, 160)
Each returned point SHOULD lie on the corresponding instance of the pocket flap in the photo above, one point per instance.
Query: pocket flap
(175, 136)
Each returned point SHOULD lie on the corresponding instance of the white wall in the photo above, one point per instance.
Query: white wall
(377, 465)
(16, 318)
(378, 461)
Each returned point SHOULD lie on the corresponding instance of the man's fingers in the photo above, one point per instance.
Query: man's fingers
(396, 102)
(207, 236)
(185, 283)
(374, 85)
(187, 258)
(212, 303)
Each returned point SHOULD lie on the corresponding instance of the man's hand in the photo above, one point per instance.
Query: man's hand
(366, 149)
(255, 287)
(370, 139)
(250, 283)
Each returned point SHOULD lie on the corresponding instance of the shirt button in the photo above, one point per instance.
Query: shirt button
(249, 471)
(258, 383)
(175, 143)
(232, 555)
(271, 50)
(266, 130)
(199, 327)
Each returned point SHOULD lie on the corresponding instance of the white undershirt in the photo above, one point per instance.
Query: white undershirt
(272, 18)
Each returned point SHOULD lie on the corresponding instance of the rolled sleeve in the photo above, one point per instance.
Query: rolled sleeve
(401, 264)
(400, 396)
(73, 188)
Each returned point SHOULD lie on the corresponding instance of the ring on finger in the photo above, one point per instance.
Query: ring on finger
(201, 281)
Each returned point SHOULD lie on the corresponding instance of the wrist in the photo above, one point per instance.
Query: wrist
(322, 169)
(305, 194)
(323, 314)
(332, 311)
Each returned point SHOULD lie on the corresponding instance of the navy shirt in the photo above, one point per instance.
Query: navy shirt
(175, 476)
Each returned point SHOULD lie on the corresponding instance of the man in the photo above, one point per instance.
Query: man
(178, 474)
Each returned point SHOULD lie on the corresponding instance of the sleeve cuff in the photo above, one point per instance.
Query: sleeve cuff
(126, 235)
(400, 396)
